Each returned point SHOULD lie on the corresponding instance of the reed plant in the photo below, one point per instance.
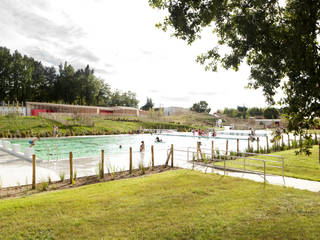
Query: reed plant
(62, 176)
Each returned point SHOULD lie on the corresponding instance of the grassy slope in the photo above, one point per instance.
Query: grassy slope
(173, 205)
(298, 166)
(41, 125)
(193, 118)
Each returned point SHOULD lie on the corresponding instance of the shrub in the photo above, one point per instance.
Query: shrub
(49, 180)
(142, 168)
(44, 186)
(75, 174)
(62, 176)
(100, 171)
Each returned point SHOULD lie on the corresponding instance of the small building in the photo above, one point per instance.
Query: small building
(34, 108)
(269, 123)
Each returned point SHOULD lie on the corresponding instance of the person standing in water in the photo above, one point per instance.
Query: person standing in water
(142, 148)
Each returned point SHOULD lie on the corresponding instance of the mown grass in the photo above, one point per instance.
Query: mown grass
(16, 126)
(297, 166)
(178, 204)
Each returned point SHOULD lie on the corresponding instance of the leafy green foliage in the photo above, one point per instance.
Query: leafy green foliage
(201, 107)
(149, 104)
(271, 113)
(279, 40)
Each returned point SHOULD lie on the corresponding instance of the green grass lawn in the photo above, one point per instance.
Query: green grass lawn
(43, 127)
(298, 166)
(180, 204)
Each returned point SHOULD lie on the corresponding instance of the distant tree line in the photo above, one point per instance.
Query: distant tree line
(244, 112)
(22, 78)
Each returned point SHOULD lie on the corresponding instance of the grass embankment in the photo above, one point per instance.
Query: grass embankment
(13, 126)
(193, 118)
(297, 166)
(173, 205)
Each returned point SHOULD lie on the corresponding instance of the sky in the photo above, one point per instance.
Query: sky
(120, 41)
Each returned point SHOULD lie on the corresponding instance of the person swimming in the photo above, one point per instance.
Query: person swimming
(33, 142)
(158, 139)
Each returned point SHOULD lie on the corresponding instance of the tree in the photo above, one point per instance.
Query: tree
(271, 113)
(201, 107)
(149, 105)
(278, 40)
(242, 112)
(5, 69)
(255, 111)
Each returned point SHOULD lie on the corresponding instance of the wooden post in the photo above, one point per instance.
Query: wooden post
(172, 155)
(152, 158)
(130, 160)
(315, 137)
(168, 158)
(319, 153)
(212, 150)
(258, 147)
(33, 171)
(71, 167)
(102, 163)
(227, 147)
(282, 141)
(199, 153)
(238, 146)
(288, 141)
(267, 141)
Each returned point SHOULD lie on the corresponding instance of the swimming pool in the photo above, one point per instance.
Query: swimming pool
(88, 146)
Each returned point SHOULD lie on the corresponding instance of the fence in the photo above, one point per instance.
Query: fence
(12, 108)
(129, 162)
(228, 161)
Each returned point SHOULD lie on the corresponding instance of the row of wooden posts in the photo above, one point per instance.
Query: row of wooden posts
(199, 152)
(267, 143)
(170, 156)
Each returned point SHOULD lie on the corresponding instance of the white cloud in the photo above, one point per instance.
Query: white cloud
(119, 39)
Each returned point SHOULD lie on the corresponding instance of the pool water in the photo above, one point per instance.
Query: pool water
(59, 148)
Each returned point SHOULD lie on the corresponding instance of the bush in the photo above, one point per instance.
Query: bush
(44, 186)
(62, 176)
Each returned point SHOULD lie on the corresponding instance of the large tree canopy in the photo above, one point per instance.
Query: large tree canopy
(201, 107)
(278, 39)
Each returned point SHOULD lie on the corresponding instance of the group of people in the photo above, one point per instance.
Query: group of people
(204, 133)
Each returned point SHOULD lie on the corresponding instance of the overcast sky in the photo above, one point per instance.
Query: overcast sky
(119, 40)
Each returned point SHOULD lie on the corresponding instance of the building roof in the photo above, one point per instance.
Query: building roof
(80, 106)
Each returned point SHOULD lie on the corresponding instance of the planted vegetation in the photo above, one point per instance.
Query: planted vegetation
(24, 127)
